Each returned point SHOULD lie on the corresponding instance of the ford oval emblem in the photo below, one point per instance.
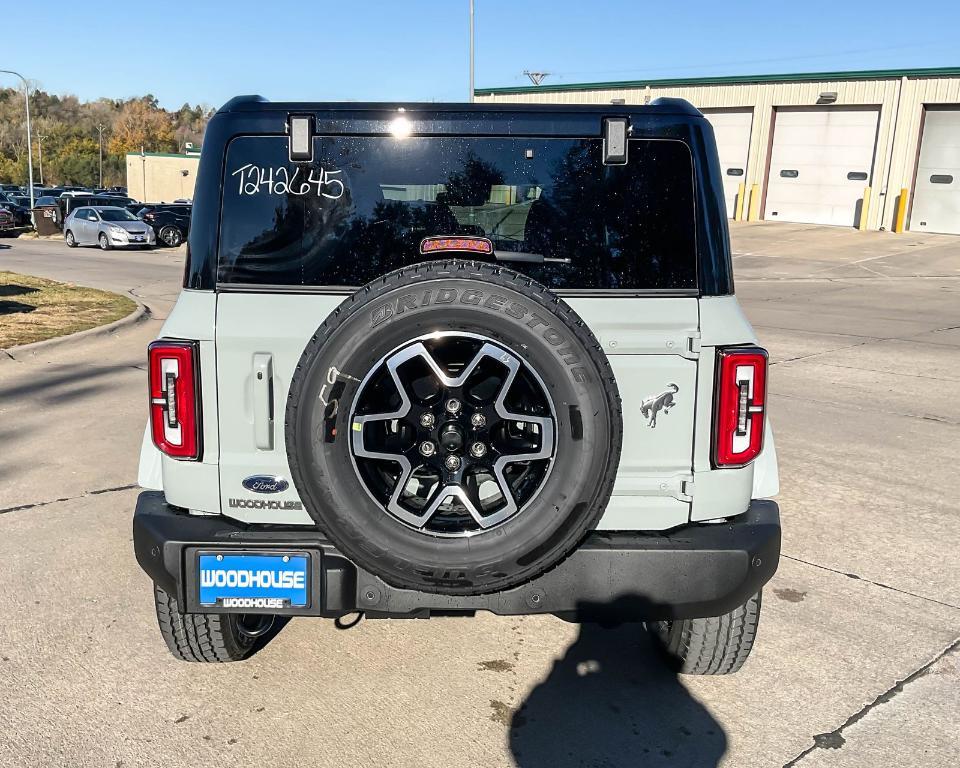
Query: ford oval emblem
(265, 484)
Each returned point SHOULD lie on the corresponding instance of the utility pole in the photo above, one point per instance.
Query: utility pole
(536, 77)
(26, 96)
(40, 151)
(471, 51)
(143, 166)
(100, 128)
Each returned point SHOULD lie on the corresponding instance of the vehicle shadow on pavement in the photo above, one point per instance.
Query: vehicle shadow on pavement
(612, 701)
(15, 307)
(15, 289)
(64, 382)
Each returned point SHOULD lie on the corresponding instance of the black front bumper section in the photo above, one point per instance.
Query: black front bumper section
(695, 571)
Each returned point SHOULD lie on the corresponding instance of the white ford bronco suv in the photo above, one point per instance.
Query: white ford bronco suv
(437, 359)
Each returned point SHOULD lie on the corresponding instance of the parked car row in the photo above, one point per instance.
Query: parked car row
(14, 210)
(18, 208)
(171, 223)
(70, 201)
(7, 225)
(39, 190)
(80, 212)
(106, 226)
(112, 226)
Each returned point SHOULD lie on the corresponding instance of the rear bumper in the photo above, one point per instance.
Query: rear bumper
(689, 572)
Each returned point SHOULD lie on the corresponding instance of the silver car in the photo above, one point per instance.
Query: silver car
(106, 226)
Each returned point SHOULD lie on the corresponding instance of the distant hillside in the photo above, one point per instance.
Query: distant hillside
(70, 146)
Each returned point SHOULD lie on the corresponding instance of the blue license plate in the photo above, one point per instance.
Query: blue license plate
(253, 581)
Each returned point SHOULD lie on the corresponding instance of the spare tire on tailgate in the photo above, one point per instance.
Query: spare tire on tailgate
(454, 427)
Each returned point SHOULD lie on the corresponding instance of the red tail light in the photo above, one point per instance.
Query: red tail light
(175, 397)
(741, 394)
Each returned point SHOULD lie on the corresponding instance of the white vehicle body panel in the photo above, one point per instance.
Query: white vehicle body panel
(665, 477)
(251, 324)
(150, 470)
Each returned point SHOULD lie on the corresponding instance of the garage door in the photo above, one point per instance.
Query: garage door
(936, 201)
(732, 129)
(822, 158)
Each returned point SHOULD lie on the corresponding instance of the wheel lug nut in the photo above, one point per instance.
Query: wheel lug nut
(452, 463)
(453, 405)
(427, 420)
(478, 450)
(427, 448)
(478, 420)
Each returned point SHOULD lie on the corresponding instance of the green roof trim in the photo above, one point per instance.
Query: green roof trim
(867, 74)
(164, 154)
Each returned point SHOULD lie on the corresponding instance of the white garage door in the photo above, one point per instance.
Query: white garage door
(936, 201)
(822, 159)
(732, 129)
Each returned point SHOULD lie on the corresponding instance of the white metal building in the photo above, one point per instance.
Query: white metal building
(159, 177)
(826, 148)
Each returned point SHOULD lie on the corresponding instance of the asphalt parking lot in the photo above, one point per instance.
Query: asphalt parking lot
(858, 657)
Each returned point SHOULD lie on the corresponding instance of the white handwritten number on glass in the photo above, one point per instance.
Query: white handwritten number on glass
(254, 179)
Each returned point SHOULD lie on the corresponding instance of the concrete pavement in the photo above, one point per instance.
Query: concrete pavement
(857, 659)
(91, 388)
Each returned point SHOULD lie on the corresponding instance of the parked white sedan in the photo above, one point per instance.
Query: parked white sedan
(106, 226)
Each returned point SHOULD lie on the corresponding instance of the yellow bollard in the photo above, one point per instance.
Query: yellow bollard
(864, 209)
(754, 210)
(738, 208)
(900, 220)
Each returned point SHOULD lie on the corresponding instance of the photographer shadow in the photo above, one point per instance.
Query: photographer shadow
(613, 701)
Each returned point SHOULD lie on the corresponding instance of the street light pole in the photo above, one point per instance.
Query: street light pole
(26, 96)
(100, 128)
(471, 51)
(40, 154)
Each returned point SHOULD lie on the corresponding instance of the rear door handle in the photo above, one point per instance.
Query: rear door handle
(263, 401)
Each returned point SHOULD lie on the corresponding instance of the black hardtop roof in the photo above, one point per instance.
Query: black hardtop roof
(660, 106)
(661, 119)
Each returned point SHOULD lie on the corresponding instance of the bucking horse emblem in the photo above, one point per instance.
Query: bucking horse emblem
(652, 405)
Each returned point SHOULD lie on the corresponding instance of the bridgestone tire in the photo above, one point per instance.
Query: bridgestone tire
(203, 637)
(714, 646)
(526, 319)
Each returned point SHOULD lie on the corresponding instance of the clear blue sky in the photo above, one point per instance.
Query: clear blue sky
(208, 51)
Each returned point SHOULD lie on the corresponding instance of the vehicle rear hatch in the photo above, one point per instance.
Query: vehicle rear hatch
(618, 241)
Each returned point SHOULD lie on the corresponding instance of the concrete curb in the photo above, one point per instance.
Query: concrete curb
(140, 313)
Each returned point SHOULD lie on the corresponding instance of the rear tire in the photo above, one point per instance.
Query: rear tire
(104, 242)
(208, 637)
(171, 236)
(476, 305)
(713, 646)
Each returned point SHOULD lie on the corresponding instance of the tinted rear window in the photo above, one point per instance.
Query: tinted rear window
(550, 207)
